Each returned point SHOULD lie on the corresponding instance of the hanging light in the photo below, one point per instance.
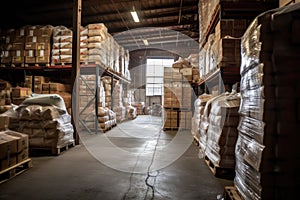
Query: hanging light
(134, 15)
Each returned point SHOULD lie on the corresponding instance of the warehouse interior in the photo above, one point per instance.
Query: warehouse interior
(158, 99)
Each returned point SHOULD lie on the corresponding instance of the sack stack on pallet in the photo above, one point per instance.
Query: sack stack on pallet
(267, 148)
(98, 44)
(106, 118)
(13, 148)
(131, 112)
(222, 131)
(199, 105)
(62, 45)
(204, 123)
(107, 84)
(45, 120)
(140, 107)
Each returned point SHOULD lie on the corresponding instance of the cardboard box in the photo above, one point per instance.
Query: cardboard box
(31, 39)
(30, 46)
(8, 162)
(44, 39)
(9, 144)
(17, 59)
(28, 79)
(22, 142)
(186, 71)
(17, 46)
(43, 59)
(43, 46)
(30, 60)
(29, 53)
(23, 155)
(31, 31)
(39, 79)
(3, 123)
(20, 92)
(57, 87)
(45, 31)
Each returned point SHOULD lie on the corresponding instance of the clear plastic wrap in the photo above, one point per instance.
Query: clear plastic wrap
(249, 150)
(204, 124)
(223, 116)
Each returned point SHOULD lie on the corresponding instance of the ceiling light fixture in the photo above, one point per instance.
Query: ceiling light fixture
(134, 15)
(146, 43)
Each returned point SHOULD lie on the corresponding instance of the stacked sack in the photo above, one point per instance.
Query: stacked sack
(98, 43)
(62, 45)
(106, 118)
(45, 120)
(198, 112)
(106, 81)
(131, 112)
(267, 154)
(222, 131)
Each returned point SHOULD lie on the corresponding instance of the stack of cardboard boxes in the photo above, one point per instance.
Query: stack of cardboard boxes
(176, 99)
(27, 45)
(13, 148)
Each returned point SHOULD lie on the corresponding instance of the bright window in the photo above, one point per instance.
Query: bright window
(154, 75)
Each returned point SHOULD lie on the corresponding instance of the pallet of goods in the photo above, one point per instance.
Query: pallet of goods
(221, 135)
(45, 120)
(14, 156)
(267, 159)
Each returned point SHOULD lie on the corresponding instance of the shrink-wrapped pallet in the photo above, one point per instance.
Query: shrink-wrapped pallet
(199, 105)
(222, 131)
(267, 160)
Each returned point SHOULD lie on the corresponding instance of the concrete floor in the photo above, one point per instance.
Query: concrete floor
(148, 165)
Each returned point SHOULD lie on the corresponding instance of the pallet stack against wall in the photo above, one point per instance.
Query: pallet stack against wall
(267, 148)
(176, 100)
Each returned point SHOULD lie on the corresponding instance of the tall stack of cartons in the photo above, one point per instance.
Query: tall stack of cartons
(267, 148)
(87, 88)
(177, 98)
(62, 45)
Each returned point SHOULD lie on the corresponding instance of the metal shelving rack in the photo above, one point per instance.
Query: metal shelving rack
(229, 10)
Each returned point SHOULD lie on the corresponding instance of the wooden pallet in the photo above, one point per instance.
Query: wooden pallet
(17, 65)
(196, 141)
(61, 64)
(231, 193)
(220, 172)
(39, 151)
(170, 129)
(15, 170)
(37, 65)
